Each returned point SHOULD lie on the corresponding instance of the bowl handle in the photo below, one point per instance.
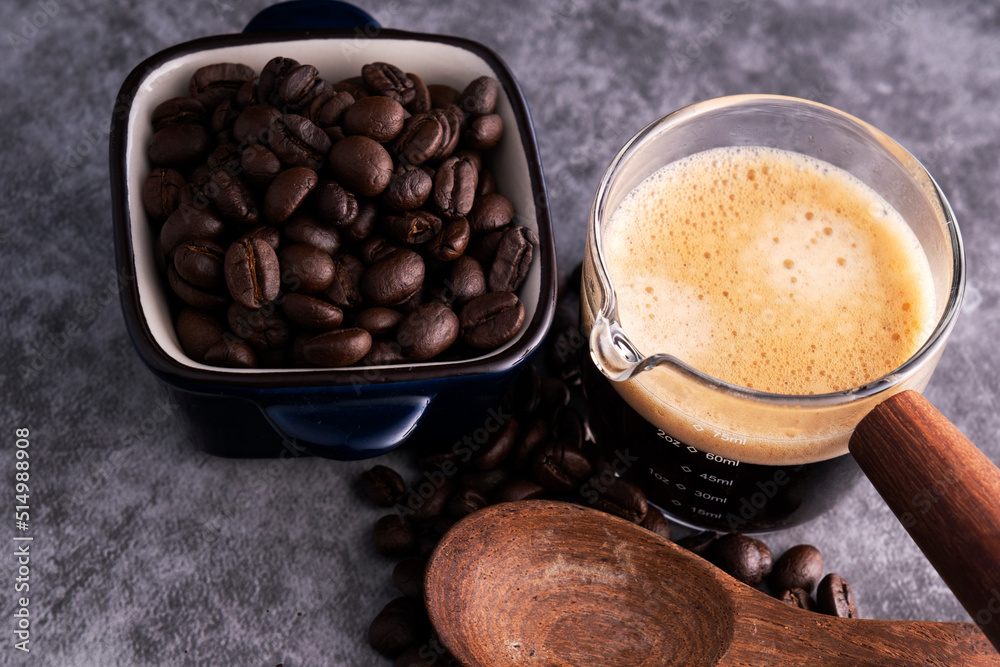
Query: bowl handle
(311, 15)
(347, 430)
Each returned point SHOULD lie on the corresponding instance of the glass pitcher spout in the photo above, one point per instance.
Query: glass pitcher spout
(615, 355)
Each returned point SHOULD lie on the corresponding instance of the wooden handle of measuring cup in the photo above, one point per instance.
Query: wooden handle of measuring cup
(944, 491)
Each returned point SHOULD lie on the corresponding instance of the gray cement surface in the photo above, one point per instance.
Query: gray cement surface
(148, 552)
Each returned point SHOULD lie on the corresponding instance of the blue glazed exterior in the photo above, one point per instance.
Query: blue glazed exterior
(351, 413)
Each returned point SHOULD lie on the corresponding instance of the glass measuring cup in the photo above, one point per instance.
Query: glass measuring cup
(713, 454)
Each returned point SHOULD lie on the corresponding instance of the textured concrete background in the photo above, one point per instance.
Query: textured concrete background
(149, 552)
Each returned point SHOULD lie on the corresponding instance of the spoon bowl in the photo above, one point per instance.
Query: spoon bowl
(548, 583)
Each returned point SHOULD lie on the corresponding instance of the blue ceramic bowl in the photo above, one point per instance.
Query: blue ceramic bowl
(346, 413)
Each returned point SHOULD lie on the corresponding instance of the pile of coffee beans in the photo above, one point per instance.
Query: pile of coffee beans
(538, 449)
(301, 222)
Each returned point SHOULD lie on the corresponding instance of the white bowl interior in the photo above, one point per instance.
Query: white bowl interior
(336, 59)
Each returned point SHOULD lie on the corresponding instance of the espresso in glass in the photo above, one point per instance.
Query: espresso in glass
(748, 303)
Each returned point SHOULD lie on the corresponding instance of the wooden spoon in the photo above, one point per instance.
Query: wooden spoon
(547, 583)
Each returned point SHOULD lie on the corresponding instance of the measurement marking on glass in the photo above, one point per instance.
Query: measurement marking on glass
(721, 459)
(705, 513)
(717, 480)
(709, 496)
(659, 476)
(736, 440)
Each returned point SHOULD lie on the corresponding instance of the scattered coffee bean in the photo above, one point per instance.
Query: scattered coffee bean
(799, 567)
(383, 485)
(465, 501)
(835, 598)
(657, 523)
(559, 467)
(497, 448)
(408, 576)
(619, 497)
(798, 598)
(743, 557)
(518, 489)
(393, 535)
(401, 623)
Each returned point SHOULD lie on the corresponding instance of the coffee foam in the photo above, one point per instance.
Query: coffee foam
(769, 270)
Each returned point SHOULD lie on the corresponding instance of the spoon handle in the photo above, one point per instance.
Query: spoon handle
(804, 638)
(944, 491)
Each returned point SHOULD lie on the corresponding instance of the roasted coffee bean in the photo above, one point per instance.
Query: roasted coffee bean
(513, 259)
(335, 205)
(745, 558)
(298, 142)
(517, 489)
(267, 233)
(390, 81)
(560, 468)
(451, 119)
(311, 313)
(255, 124)
(362, 227)
(376, 117)
(657, 523)
(465, 501)
(412, 227)
(294, 90)
(408, 576)
(455, 182)
(617, 496)
(699, 543)
(566, 425)
(487, 183)
(345, 290)
(401, 623)
(427, 331)
(393, 279)
(480, 96)
(263, 329)
(179, 111)
(179, 146)
(490, 320)
(409, 187)
(383, 485)
(374, 248)
(421, 96)
(193, 295)
(198, 330)
(231, 353)
(161, 191)
(303, 228)
(384, 352)
(246, 95)
(835, 598)
(442, 95)
(393, 535)
(271, 78)
(798, 598)
(378, 320)
(529, 439)
(225, 158)
(799, 567)
(200, 262)
(235, 200)
(340, 347)
(252, 272)
(484, 248)
(497, 448)
(466, 280)
(213, 84)
(430, 504)
(327, 109)
(361, 164)
(483, 481)
(554, 394)
(305, 269)
(484, 132)
(422, 137)
(259, 165)
(287, 192)
(490, 213)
